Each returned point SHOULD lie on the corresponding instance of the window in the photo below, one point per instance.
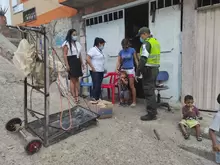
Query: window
(176, 2)
(120, 14)
(202, 3)
(166, 3)
(160, 4)
(115, 15)
(96, 20)
(91, 21)
(87, 22)
(110, 17)
(100, 19)
(29, 15)
(104, 18)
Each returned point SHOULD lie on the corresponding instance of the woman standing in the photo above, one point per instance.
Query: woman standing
(96, 61)
(73, 60)
(126, 59)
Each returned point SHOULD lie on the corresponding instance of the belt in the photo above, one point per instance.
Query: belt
(152, 66)
(127, 68)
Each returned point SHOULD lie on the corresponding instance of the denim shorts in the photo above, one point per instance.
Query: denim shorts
(217, 157)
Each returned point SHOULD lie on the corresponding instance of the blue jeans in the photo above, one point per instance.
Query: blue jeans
(97, 78)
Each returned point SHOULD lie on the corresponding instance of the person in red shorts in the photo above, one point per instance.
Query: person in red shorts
(126, 59)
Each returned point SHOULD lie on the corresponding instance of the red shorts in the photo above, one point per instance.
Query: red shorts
(130, 72)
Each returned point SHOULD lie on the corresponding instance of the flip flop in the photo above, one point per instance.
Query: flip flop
(199, 138)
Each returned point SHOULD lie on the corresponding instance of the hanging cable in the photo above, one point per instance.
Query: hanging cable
(61, 99)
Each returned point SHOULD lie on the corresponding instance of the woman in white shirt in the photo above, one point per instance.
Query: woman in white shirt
(96, 61)
(73, 60)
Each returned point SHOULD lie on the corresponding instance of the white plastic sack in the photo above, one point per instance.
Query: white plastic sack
(25, 59)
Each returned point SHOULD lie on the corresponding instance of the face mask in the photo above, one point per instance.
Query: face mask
(141, 40)
(101, 47)
(74, 38)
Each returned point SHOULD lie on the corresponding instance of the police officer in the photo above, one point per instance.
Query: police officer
(149, 67)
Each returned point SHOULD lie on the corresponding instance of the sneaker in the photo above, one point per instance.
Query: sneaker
(133, 105)
(148, 117)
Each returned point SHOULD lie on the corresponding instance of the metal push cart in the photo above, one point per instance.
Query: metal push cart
(47, 129)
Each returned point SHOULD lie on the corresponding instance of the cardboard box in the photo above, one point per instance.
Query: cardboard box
(103, 108)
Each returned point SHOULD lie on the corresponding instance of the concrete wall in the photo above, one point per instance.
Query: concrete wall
(57, 31)
(188, 46)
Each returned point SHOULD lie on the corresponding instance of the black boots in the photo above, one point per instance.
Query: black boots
(148, 117)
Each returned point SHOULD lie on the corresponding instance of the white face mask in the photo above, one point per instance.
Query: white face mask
(74, 38)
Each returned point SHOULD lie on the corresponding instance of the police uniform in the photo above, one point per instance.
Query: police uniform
(149, 67)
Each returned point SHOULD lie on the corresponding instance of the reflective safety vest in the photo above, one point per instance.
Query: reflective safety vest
(154, 54)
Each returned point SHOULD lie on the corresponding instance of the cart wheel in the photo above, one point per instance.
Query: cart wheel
(33, 146)
(10, 126)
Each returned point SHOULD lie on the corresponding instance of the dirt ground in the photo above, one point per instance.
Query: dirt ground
(122, 140)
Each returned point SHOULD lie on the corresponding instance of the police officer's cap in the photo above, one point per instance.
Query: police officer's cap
(143, 30)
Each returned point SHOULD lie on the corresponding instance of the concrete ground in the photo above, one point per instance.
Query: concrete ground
(121, 140)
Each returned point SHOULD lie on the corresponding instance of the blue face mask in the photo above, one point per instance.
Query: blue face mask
(101, 47)
(141, 40)
(74, 38)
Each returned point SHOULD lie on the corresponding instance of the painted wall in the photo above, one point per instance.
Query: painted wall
(5, 3)
(46, 11)
(188, 46)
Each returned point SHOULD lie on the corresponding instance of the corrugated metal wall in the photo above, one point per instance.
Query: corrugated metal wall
(206, 80)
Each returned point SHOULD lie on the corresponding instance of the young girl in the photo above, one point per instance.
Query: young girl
(124, 92)
(126, 59)
(190, 114)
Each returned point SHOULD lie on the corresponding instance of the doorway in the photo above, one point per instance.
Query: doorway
(135, 18)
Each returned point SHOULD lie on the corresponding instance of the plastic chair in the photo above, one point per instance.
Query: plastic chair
(113, 83)
(162, 76)
(85, 84)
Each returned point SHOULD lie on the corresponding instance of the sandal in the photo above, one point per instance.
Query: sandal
(199, 138)
(186, 136)
(77, 100)
(121, 104)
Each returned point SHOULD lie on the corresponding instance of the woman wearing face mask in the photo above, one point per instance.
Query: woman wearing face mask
(126, 59)
(73, 61)
(96, 61)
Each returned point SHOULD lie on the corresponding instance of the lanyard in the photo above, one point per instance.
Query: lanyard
(99, 51)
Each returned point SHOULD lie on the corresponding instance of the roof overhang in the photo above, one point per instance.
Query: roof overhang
(77, 4)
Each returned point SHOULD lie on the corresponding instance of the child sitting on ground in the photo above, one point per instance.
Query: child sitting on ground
(214, 132)
(124, 91)
(190, 115)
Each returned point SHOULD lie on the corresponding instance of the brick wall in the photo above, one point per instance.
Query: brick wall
(103, 5)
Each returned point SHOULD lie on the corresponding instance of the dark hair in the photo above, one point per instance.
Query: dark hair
(98, 41)
(69, 37)
(218, 98)
(125, 42)
(188, 97)
(125, 73)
